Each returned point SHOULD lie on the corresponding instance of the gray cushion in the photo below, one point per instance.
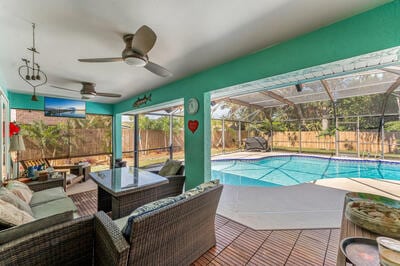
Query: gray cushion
(170, 167)
(24, 229)
(53, 207)
(11, 198)
(47, 195)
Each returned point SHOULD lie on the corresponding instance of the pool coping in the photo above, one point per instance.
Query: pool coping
(333, 158)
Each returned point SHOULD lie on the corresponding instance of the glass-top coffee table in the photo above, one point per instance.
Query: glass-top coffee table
(122, 190)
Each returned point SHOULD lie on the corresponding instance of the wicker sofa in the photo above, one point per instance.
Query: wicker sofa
(89, 240)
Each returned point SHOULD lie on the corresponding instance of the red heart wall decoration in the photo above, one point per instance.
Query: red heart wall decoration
(193, 125)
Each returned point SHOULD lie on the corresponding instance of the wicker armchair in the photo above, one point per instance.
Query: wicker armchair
(89, 240)
(174, 186)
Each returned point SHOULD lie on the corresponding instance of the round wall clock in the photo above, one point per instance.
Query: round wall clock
(192, 106)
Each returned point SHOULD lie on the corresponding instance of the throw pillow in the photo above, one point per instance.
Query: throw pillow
(170, 167)
(11, 215)
(200, 188)
(11, 198)
(208, 185)
(21, 190)
(149, 207)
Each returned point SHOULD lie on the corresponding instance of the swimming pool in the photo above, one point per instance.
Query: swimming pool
(289, 170)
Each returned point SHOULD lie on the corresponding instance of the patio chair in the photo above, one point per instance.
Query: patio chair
(72, 173)
(175, 184)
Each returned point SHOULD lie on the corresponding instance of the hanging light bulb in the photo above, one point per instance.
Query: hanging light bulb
(38, 70)
(34, 98)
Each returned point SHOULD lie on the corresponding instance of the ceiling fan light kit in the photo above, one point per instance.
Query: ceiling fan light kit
(87, 95)
(135, 61)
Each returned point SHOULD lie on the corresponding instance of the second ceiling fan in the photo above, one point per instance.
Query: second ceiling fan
(135, 53)
(88, 91)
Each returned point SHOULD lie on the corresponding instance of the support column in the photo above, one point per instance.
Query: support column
(117, 138)
(223, 135)
(136, 141)
(300, 136)
(383, 137)
(358, 136)
(240, 135)
(272, 131)
(336, 137)
(197, 144)
(171, 139)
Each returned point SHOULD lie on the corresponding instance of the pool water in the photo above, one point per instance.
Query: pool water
(289, 170)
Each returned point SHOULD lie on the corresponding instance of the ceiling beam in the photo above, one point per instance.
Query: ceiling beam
(285, 101)
(394, 71)
(277, 97)
(327, 89)
(393, 87)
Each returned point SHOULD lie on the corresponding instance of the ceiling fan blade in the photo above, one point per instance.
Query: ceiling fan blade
(108, 94)
(143, 40)
(61, 88)
(101, 60)
(58, 96)
(157, 69)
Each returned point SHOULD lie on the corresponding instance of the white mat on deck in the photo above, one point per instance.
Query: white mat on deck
(304, 206)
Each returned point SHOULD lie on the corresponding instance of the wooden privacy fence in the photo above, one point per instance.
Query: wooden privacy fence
(368, 141)
(73, 143)
(150, 139)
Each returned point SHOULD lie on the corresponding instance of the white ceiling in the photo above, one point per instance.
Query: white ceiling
(192, 36)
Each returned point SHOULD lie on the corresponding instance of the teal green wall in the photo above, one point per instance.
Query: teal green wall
(371, 31)
(23, 101)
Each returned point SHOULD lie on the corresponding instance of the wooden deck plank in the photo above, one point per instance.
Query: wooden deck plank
(241, 245)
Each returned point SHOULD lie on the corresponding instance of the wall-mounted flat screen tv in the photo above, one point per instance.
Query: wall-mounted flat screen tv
(57, 107)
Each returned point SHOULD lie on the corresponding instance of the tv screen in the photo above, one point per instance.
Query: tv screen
(57, 107)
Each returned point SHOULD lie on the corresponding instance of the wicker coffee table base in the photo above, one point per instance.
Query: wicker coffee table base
(124, 204)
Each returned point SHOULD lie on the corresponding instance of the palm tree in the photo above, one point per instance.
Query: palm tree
(47, 137)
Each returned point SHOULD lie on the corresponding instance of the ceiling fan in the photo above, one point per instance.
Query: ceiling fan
(135, 53)
(88, 91)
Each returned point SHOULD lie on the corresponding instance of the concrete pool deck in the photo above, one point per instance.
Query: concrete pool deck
(317, 204)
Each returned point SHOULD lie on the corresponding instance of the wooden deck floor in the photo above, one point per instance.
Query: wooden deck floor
(240, 245)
